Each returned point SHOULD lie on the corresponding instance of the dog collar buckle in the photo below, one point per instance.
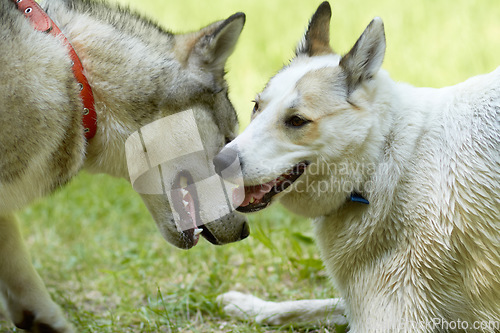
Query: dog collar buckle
(42, 22)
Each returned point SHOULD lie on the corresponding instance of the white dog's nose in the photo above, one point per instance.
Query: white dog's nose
(226, 158)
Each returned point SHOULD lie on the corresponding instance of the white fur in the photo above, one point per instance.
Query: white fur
(281, 94)
(281, 87)
(427, 247)
(278, 313)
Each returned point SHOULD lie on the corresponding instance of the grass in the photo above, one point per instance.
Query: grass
(98, 249)
(103, 260)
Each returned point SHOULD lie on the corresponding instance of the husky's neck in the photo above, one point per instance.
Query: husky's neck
(126, 70)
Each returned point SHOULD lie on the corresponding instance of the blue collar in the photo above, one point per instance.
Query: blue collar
(356, 197)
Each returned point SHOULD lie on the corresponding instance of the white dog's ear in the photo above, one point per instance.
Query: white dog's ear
(316, 40)
(216, 42)
(366, 56)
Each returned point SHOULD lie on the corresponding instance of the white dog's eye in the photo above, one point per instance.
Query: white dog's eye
(296, 121)
(255, 107)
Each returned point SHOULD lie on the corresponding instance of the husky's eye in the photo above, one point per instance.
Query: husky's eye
(296, 121)
(255, 107)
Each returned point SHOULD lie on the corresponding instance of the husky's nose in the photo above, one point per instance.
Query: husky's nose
(228, 160)
(245, 231)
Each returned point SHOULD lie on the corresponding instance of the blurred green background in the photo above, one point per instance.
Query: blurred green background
(98, 249)
(429, 42)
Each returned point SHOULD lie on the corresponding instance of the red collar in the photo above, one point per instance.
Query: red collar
(42, 22)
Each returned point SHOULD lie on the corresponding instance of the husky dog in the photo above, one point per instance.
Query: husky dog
(139, 73)
(403, 184)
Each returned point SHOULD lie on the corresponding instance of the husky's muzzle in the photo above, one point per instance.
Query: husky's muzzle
(229, 228)
(186, 203)
(168, 167)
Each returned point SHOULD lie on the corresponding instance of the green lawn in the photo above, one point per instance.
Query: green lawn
(98, 249)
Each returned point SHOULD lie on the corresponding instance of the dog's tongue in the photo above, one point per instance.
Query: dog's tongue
(190, 207)
(256, 192)
(188, 203)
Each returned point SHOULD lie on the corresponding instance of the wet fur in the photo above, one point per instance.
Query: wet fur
(428, 244)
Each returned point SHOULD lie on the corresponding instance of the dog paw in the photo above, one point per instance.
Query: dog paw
(248, 307)
(38, 324)
(240, 305)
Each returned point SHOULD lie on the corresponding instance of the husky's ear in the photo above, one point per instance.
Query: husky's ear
(217, 42)
(366, 56)
(316, 40)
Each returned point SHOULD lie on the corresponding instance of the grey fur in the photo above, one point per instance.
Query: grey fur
(366, 56)
(139, 73)
(316, 40)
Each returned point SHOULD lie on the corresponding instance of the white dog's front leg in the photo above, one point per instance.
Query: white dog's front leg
(244, 306)
(28, 302)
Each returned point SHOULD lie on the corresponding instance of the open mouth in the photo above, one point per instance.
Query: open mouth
(186, 204)
(258, 197)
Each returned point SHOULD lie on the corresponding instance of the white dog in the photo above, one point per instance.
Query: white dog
(403, 184)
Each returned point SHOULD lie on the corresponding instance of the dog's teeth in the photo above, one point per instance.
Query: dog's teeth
(185, 203)
(183, 182)
(184, 191)
(252, 200)
(197, 231)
